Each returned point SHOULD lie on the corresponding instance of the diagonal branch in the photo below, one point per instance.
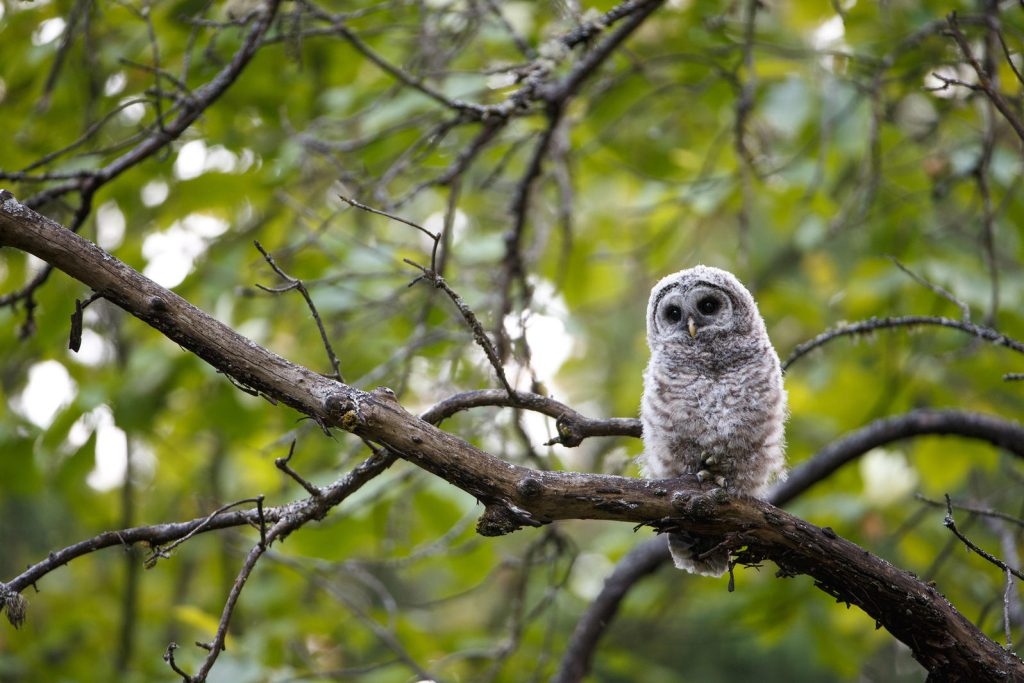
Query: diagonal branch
(941, 639)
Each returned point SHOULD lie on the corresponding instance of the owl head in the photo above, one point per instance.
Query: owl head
(702, 310)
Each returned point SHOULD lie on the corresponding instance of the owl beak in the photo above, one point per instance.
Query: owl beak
(691, 326)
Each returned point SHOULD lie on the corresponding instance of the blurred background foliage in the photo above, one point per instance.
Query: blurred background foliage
(847, 157)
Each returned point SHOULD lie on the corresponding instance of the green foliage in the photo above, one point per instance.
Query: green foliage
(850, 161)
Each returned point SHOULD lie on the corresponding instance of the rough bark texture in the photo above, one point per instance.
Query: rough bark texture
(942, 640)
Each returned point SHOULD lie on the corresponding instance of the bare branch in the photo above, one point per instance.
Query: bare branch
(950, 524)
(973, 509)
(163, 553)
(282, 464)
(997, 431)
(874, 324)
(479, 335)
(965, 311)
(313, 508)
(433, 276)
(636, 564)
(946, 643)
(203, 97)
(985, 83)
(573, 427)
(294, 283)
(1007, 595)
(369, 209)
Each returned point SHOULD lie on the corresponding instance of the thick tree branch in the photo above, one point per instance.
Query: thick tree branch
(644, 559)
(946, 643)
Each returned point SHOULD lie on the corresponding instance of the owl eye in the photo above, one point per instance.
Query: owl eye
(709, 305)
(673, 313)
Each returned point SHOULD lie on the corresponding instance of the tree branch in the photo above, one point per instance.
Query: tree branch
(871, 325)
(572, 426)
(997, 431)
(985, 81)
(644, 559)
(941, 639)
(191, 108)
(308, 509)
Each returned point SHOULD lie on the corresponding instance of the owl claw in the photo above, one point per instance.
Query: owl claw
(710, 460)
(703, 475)
(720, 481)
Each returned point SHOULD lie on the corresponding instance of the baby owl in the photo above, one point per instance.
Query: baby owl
(713, 402)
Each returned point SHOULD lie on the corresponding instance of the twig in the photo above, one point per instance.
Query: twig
(435, 237)
(205, 96)
(157, 552)
(744, 107)
(965, 311)
(282, 464)
(974, 510)
(634, 12)
(216, 646)
(556, 96)
(158, 139)
(387, 637)
(1006, 50)
(471, 111)
(169, 658)
(431, 274)
(294, 283)
(75, 337)
(80, 9)
(951, 525)
(947, 82)
(340, 490)
(91, 131)
(262, 521)
(479, 335)
(984, 79)
(512, 269)
(517, 37)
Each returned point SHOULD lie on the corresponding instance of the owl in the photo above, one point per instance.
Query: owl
(713, 402)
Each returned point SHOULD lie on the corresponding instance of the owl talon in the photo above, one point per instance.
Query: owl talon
(703, 476)
(720, 481)
(710, 460)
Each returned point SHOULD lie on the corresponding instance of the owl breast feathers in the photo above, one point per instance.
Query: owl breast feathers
(713, 402)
